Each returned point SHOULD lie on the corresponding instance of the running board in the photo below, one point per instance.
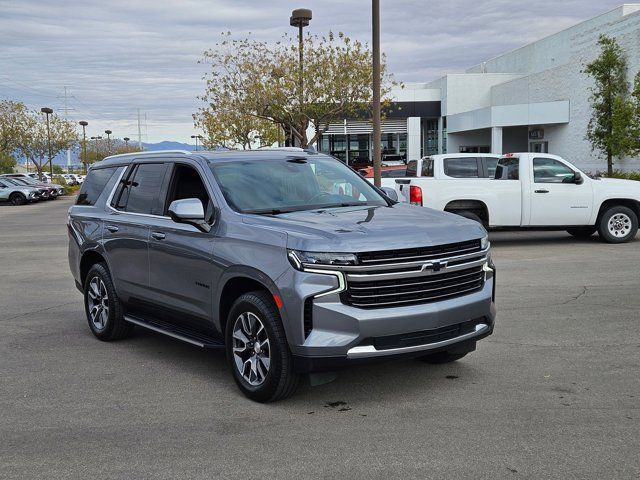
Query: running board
(179, 333)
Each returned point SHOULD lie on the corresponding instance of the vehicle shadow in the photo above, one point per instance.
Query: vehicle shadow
(360, 386)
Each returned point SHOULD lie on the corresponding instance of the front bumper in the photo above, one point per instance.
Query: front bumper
(344, 335)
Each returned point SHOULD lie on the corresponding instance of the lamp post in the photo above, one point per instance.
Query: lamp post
(196, 138)
(300, 18)
(96, 145)
(375, 43)
(108, 132)
(126, 142)
(85, 160)
(48, 111)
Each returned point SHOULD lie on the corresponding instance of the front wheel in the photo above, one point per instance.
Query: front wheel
(618, 224)
(17, 199)
(257, 349)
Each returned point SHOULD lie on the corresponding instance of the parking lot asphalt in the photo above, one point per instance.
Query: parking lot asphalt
(553, 393)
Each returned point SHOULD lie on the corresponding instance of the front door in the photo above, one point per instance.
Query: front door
(181, 268)
(555, 197)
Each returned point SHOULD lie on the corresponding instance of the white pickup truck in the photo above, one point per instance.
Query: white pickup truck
(530, 190)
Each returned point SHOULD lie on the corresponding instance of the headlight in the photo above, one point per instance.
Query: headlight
(299, 258)
(484, 242)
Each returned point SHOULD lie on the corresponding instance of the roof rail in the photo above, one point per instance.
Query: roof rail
(148, 152)
(284, 149)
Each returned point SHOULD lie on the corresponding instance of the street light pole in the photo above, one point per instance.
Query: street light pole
(300, 18)
(85, 160)
(108, 132)
(48, 111)
(377, 140)
(196, 137)
(126, 142)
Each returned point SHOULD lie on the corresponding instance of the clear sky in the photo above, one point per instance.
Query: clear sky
(119, 56)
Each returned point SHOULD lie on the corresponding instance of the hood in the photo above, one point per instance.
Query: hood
(362, 229)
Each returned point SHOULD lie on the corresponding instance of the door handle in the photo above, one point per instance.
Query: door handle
(112, 228)
(158, 235)
(541, 191)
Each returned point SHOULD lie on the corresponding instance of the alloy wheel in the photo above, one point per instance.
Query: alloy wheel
(98, 303)
(251, 348)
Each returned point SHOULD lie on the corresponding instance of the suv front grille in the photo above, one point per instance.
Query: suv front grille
(414, 276)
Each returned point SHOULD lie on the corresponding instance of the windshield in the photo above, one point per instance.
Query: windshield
(283, 185)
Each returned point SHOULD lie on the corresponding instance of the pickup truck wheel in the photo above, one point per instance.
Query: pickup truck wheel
(442, 357)
(17, 199)
(257, 349)
(582, 232)
(103, 307)
(618, 224)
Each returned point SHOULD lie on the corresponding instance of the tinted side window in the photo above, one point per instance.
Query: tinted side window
(548, 170)
(94, 185)
(427, 167)
(508, 169)
(412, 168)
(461, 167)
(490, 164)
(143, 188)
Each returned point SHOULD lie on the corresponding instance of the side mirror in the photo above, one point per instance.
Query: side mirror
(390, 192)
(577, 178)
(189, 211)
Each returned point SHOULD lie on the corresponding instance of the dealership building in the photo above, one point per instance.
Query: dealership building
(534, 98)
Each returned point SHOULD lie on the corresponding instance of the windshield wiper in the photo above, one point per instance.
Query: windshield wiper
(268, 211)
(343, 204)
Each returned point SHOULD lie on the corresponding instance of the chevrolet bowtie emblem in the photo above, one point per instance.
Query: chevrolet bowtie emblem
(435, 266)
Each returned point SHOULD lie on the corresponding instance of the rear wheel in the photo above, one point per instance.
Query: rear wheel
(618, 224)
(257, 349)
(582, 232)
(103, 307)
(17, 199)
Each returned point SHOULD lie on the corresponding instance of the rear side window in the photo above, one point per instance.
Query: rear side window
(490, 164)
(412, 168)
(462, 167)
(140, 193)
(427, 167)
(94, 184)
(508, 169)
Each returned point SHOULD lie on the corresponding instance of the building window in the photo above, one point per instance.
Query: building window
(431, 137)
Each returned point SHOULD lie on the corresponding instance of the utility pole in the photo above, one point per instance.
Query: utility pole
(377, 140)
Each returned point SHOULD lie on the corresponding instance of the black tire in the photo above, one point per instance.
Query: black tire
(614, 217)
(468, 214)
(582, 232)
(17, 199)
(442, 357)
(115, 327)
(281, 380)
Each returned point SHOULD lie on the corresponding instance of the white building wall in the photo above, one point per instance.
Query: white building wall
(477, 138)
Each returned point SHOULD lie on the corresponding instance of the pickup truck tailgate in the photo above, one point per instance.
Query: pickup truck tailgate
(402, 187)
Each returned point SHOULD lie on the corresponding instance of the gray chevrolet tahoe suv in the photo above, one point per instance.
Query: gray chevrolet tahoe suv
(288, 259)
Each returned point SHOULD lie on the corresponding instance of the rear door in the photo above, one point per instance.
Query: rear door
(133, 209)
(556, 199)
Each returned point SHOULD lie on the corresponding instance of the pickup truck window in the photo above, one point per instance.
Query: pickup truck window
(427, 167)
(412, 168)
(274, 186)
(508, 169)
(465, 167)
(548, 170)
(490, 164)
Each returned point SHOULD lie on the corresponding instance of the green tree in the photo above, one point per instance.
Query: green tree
(253, 79)
(232, 128)
(635, 114)
(7, 162)
(32, 141)
(611, 126)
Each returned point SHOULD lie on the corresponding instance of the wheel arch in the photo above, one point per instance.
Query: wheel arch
(88, 259)
(478, 207)
(235, 283)
(614, 202)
